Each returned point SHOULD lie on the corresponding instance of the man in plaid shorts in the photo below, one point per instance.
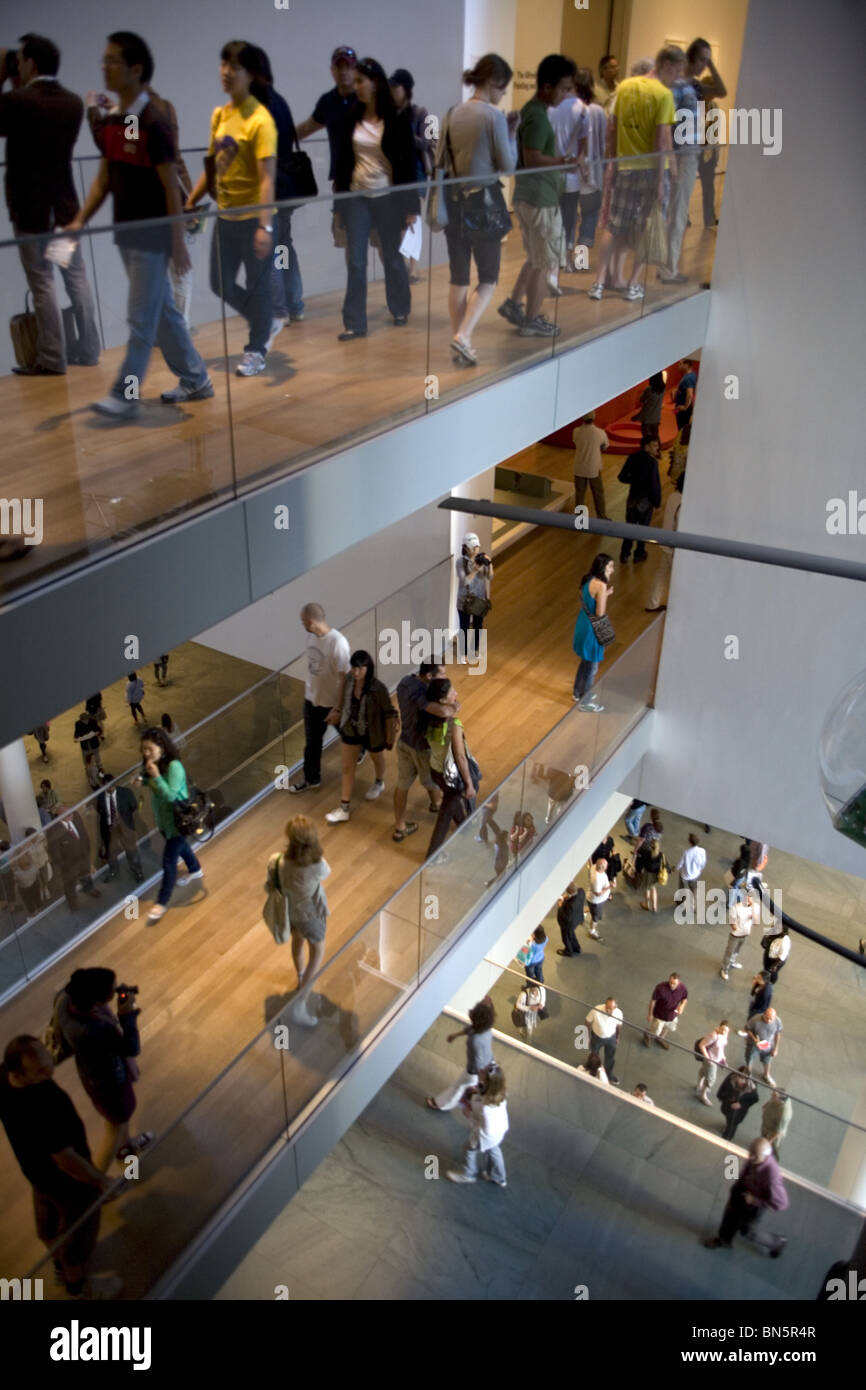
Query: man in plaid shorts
(640, 124)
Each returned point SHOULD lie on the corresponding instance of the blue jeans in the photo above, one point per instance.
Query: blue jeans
(287, 289)
(153, 321)
(590, 207)
(488, 1161)
(176, 848)
(535, 971)
(232, 246)
(633, 820)
(606, 1049)
(360, 216)
(585, 678)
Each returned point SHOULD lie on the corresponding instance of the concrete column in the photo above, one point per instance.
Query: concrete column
(16, 790)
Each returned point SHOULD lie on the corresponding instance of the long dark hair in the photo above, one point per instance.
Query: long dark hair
(245, 55)
(385, 108)
(436, 692)
(657, 382)
(168, 751)
(597, 568)
(362, 658)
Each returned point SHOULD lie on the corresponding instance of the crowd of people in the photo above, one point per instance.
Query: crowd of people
(383, 149)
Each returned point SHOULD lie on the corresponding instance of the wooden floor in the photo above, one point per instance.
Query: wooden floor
(209, 974)
(103, 483)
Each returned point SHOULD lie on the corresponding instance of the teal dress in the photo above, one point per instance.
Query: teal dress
(586, 645)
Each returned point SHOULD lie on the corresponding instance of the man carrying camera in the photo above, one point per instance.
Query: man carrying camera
(474, 573)
(41, 120)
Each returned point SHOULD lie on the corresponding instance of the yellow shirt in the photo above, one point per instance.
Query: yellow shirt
(641, 104)
(239, 136)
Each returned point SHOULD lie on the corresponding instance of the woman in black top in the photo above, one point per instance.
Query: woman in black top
(368, 722)
(641, 472)
(375, 151)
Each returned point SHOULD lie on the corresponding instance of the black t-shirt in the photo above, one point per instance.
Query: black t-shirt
(40, 1121)
(284, 184)
(87, 726)
(331, 110)
(132, 174)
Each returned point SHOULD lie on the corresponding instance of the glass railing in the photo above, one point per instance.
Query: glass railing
(233, 755)
(288, 1069)
(816, 1143)
(104, 482)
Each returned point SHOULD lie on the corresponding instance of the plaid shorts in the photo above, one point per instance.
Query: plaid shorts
(631, 202)
(541, 229)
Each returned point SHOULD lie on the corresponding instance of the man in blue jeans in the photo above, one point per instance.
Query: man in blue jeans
(138, 168)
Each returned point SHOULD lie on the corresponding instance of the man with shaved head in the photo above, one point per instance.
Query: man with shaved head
(759, 1187)
(328, 655)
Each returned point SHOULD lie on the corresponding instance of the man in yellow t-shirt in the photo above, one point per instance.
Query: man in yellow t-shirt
(640, 124)
(243, 147)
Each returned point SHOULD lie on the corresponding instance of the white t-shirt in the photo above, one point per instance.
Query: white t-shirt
(741, 918)
(570, 123)
(693, 862)
(372, 170)
(599, 886)
(603, 1024)
(589, 441)
(601, 1075)
(489, 1123)
(327, 663)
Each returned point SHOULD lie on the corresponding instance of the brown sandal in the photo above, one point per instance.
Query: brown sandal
(411, 827)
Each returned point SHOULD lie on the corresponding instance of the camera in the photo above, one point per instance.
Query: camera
(125, 992)
(482, 559)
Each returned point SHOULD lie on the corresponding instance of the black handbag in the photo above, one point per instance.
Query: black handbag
(298, 167)
(194, 816)
(483, 215)
(475, 606)
(602, 628)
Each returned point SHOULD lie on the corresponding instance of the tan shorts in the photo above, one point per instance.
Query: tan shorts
(412, 763)
(541, 229)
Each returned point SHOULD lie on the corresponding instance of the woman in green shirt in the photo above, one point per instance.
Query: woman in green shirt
(164, 776)
(443, 734)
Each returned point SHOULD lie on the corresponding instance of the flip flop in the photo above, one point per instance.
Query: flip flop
(411, 827)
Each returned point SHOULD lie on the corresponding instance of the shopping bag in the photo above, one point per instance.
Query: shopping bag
(276, 909)
(653, 245)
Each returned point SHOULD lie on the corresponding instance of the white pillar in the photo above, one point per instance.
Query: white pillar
(16, 790)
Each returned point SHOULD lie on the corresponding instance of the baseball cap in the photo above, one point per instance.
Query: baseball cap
(344, 54)
(471, 539)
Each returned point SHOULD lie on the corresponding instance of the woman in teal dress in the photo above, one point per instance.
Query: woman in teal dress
(595, 590)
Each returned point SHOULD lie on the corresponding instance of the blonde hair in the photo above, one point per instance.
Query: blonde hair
(302, 841)
(494, 1092)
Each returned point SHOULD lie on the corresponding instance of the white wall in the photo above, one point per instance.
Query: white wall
(736, 740)
(490, 26)
(654, 21)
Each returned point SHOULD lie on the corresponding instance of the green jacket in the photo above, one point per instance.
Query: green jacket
(164, 791)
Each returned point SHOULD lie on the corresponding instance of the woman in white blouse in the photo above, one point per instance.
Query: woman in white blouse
(375, 153)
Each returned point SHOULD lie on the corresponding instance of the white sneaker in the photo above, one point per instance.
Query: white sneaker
(735, 965)
(250, 364)
(488, 1178)
(597, 291)
(302, 1015)
(590, 706)
(116, 408)
(458, 1177)
(634, 292)
(705, 1098)
(277, 326)
(724, 974)
(375, 791)
(156, 912)
(336, 817)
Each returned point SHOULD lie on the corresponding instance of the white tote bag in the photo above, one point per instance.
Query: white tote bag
(276, 909)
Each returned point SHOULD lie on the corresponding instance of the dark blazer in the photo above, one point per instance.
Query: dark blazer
(41, 123)
(728, 1093)
(126, 808)
(398, 147)
(641, 472)
(72, 856)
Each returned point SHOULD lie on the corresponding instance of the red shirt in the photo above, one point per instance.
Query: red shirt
(666, 1001)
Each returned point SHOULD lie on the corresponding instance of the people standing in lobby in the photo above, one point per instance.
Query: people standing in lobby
(301, 870)
(242, 159)
(570, 121)
(641, 472)
(657, 601)
(104, 1044)
(758, 1188)
(589, 443)
(479, 1054)
(711, 1050)
(48, 1139)
(667, 1003)
(368, 722)
(692, 863)
(651, 403)
(761, 996)
(42, 733)
(476, 141)
(115, 809)
(328, 667)
(488, 1115)
(710, 88)
(375, 155)
(632, 818)
(141, 176)
(533, 963)
(86, 735)
(684, 395)
(134, 696)
(41, 120)
(474, 577)
(413, 750)
(608, 81)
(737, 1094)
(596, 588)
(598, 895)
(639, 127)
(688, 133)
(741, 917)
(536, 200)
(591, 173)
(776, 1118)
(530, 1007)
(605, 1024)
(570, 912)
(763, 1036)
(450, 765)
(777, 949)
(69, 847)
(165, 777)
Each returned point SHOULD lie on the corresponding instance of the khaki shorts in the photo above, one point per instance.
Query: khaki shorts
(541, 229)
(412, 763)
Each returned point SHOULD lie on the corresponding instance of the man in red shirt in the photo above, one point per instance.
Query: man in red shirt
(759, 1187)
(666, 1005)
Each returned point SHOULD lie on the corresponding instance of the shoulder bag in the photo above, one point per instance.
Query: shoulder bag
(602, 627)
(475, 605)
(193, 816)
(53, 1036)
(437, 206)
(276, 909)
(299, 168)
(451, 774)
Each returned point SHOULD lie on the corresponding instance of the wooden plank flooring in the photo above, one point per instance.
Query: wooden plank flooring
(209, 974)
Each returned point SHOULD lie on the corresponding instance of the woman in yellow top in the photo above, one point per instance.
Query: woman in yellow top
(243, 146)
(444, 735)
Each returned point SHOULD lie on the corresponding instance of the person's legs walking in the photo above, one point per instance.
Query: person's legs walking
(50, 342)
(170, 854)
(176, 345)
(358, 221)
(495, 1165)
(84, 308)
(315, 717)
(388, 220)
(148, 281)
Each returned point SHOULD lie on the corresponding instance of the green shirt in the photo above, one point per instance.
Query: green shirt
(439, 739)
(539, 189)
(164, 791)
